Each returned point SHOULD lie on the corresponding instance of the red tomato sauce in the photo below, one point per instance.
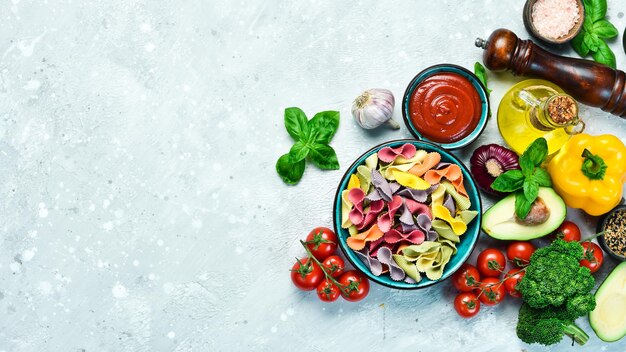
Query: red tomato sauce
(445, 107)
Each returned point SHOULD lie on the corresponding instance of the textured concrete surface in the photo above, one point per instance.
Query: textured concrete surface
(140, 209)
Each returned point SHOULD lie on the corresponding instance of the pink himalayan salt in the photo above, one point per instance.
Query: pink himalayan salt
(555, 18)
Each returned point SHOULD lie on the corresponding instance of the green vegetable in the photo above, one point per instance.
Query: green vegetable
(547, 326)
(596, 29)
(527, 181)
(312, 138)
(556, 291)
(593, 166)
(481, 73)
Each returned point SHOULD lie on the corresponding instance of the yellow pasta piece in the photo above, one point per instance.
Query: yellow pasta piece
(346, 206)
(372, 161)
(354, 182)
(409, 180)
(417, 158)
(438, 195)
(457, 225)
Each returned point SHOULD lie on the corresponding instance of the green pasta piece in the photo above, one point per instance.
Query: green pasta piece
(467, 215)
(372, 161)
(365, 178)
(444, 230)
(448, 243)
(414, 251)
(462, 202)
(409, 268)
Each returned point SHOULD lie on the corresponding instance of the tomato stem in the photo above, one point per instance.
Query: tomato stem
(344, 288)
(592, 237)
(499, 283)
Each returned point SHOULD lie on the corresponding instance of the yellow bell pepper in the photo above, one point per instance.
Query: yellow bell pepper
(589, 172)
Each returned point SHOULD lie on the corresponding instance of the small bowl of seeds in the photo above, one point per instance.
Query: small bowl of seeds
(613, 226)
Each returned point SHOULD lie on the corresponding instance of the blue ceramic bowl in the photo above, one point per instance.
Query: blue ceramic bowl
(468, 239)
(482, 93)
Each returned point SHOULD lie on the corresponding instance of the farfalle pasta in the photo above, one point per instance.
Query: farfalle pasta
(406, 212)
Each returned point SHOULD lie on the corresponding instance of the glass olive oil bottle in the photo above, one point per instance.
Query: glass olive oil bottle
(536, 108)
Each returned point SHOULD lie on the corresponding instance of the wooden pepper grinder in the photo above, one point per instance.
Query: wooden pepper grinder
(587, 81)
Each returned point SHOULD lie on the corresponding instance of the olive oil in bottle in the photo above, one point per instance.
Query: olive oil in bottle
(536, 108)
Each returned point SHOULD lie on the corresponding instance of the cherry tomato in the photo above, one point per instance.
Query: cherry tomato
(327, 291)
(592, 257)
(514, 276)
(466, 304)
(568, 231)
(322, 242)
(334, 265)
(519, 253)
(356, 284)
(493, 291)
(466, 278)
(489, 261)
(306, 274)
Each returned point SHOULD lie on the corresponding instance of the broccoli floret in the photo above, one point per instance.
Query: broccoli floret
(555, 276)
(556, 291)
(547, 326)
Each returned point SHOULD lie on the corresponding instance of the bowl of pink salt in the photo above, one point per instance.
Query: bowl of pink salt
(554, 21)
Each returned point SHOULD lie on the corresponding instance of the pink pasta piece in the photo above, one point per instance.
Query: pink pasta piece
(389, 154)
(385, 221)
(419, 208)
(380, 244)
(395, 236)
(356, 196)
(372, 213)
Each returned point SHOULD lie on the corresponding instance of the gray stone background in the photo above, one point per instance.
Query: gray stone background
(139, 206)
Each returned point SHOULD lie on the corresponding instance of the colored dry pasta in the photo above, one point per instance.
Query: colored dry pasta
(406, 211)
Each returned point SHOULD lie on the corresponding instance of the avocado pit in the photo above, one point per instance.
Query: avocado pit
(539, 213)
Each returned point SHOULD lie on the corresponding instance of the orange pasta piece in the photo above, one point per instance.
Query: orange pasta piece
(452, 173)
(431, 160)
(358, 241)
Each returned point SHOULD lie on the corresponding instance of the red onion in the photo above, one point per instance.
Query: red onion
(490, 161)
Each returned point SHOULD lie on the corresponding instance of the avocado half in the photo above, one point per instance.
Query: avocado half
(608, 320)
(499, 220)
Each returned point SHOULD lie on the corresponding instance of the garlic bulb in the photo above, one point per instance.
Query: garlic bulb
(373, 108)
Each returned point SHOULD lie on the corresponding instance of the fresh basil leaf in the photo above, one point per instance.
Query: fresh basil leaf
(578, 44)
(295, 122)
(542, 177)
(592, 41)
(298, 151)
(289, 171)
(326, 124)
(527, 165)
(604, 55)
(509, 181)
(537, 151)
(587, 22)
(597, 10)
(531, 189)
(522, 205)
(481, 73)
(324, 157)
(604, 29)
